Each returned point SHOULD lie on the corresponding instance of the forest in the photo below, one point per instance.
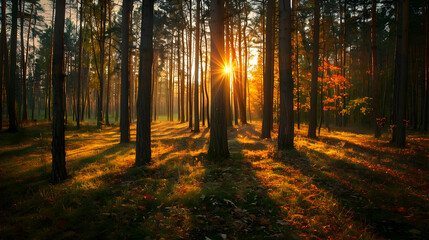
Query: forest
(214, 119)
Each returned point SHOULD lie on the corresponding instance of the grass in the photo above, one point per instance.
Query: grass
(344, 185)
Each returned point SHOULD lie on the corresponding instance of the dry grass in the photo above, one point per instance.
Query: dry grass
(341, 186)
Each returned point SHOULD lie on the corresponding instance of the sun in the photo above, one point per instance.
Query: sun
(227, 69)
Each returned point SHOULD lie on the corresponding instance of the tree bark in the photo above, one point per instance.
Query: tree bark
(190, 67)
(298, 103)
(109, 71)
(24, 59)
(218, 146)
(197, 63)
(80, 72)
(425, 102)
(13, 121)
(267, 110)
(286, 125)
(4, 59)
(143, 150)
(125, 79)
(400, 123)
(314, 73)
(228, 63)
(101, 43)
(205, 79)
(182, 78)
(58, 141)
(241, 86)
(375, 98)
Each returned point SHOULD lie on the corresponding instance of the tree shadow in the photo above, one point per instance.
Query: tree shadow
(233, 204)
(373, 198)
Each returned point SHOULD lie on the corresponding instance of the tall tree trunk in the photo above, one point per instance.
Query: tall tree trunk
(13, 121)
(425, 103)
(298, 103)
(403, 80)
(197, 63)
(228, 64)
(397, 72)
(125, 78)
(344, 58)
(109, 70)
(246, 65)
(314, 73)
(202, 108)
(189, 67)
(24, 58)
(375, 99)
(58, 141)
(143, 150)
(285, 139)
(4, 58)
(101, 71)
(49, 87)
(205, 78)
(218, 146)
(179, 107)
(182, 78)
(241, 86)
(267, 110)
(80, 72)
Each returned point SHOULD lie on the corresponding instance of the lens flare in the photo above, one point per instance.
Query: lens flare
(227, 69)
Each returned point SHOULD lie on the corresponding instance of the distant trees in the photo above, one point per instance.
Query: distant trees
(143, 150)
(218, 146)
(362, 81)
(58, 141)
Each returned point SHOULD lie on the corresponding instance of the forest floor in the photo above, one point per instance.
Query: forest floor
(343, 185)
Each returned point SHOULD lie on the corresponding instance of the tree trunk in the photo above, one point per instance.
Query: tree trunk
(267, 119)
(80, 72)
(108, 66)
(58, 141)
(4, 58)
(241, 86)
(13, 121)
(298, 103)
(182, 78)
(205, 79)
(228, 64)
(101, 69)
(190, 67)
(375, 99)
(202, 105)
(246, 65)
(425, 102)
(285, 138)
(197, 64)
(49, 87)
(314, 73)
(125, 79)
(143, 150)
(403, 80)
(218, 146)
(24, 58)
